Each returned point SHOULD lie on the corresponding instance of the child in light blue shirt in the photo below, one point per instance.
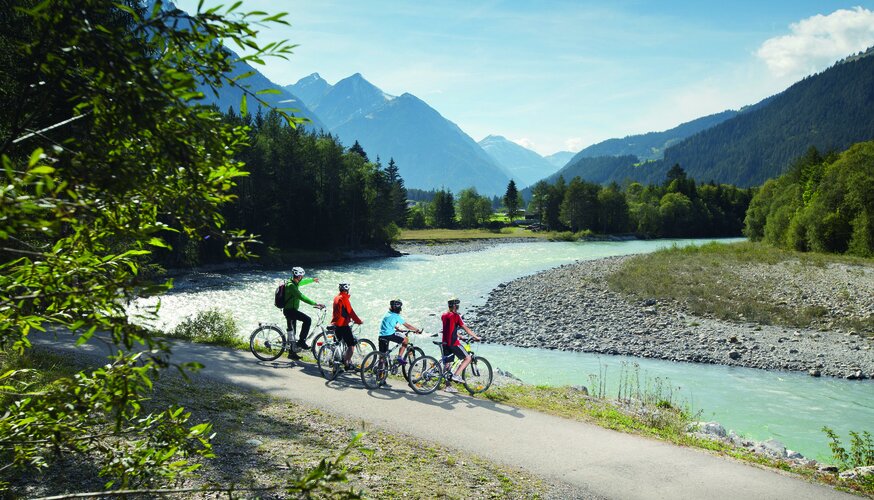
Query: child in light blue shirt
(391, 323)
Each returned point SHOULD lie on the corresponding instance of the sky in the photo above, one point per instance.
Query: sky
(562, 75)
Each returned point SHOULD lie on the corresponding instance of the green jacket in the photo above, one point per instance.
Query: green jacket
(293, 295)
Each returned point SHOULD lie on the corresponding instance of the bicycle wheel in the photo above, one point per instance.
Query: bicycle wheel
(425, 375)
(329, 365)
(362, 349)
(267, 342)
(477, 375)
(317, 342)
(374, 370)
(410, 356)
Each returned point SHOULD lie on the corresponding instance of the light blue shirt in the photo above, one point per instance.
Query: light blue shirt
(389, 322)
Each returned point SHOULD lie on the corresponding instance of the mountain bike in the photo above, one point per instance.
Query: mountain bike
(426, 372)
(333, 351)
(377, 366)
(269, 341)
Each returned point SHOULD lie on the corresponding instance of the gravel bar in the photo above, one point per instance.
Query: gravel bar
(571, 308)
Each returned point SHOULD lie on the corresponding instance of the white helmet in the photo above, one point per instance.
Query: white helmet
(297, 272)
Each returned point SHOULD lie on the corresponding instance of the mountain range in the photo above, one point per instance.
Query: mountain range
(525, 165)
(430, 151)
(830, 110)
(652, 145)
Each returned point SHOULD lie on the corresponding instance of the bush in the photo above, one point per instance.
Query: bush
(563, 236)
(213, 326)
(861, 452)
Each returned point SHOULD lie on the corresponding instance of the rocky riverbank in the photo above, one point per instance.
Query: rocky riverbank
(572, 308)
(446, 247)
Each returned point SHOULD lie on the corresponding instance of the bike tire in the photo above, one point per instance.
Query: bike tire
(374, 370)
(477, 375)
(425, 375)
(327, 361)
(317, 342)
(362, 348)
(411, 356)
(267, 342)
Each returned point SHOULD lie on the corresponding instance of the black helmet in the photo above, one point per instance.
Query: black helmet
(344, 287)
(453, 301)
(395, 305)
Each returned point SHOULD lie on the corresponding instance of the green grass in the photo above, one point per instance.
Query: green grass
(702, 277)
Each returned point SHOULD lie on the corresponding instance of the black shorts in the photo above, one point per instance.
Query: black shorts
(455, 350)
(385, 339)
(344, 333)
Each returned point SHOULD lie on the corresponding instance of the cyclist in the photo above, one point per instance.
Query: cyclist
(391, 323)
(451, 343)
(343, 314)
(291, 311)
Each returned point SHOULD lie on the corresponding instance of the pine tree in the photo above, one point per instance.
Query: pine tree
(511, 200)
(356, 148)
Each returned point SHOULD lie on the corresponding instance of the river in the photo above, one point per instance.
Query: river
(790, 407)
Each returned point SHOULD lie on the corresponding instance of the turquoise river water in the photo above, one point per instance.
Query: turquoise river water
(790, 407)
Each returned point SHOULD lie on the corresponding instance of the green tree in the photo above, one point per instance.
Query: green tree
(552, 211)
(579, 209)
(511, 200)
(125, 159)
(443, 207)
(539, 200)
(468, 208)
(612, 210)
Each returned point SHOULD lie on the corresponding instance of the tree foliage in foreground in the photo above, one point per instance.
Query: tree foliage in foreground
(822, 204)
(104, 155)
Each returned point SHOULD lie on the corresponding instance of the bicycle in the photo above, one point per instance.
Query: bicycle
(377, 366)
(333, 352)
(269, 341)
(426, 373)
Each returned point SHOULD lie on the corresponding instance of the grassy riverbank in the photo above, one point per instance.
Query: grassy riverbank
(754, 282)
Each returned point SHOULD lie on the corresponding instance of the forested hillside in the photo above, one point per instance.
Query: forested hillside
(651, 146)
(829, 111)
(823, 204)
(305, 191)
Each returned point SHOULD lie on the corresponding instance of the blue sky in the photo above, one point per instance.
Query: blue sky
(561, 75)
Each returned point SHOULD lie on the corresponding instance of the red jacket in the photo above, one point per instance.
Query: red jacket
(343, 311)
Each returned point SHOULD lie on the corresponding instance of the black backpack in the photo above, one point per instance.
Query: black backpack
(279, 296)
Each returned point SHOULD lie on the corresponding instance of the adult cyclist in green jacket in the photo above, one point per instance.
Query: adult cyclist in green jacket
(291, 311)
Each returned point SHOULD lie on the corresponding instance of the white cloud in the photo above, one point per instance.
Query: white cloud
(818, 41)
(575, 144)
(526, 143)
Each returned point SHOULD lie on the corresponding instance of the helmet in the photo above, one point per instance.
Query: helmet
(344, 287)
(297, 272)
(453, 301)
(395, 305)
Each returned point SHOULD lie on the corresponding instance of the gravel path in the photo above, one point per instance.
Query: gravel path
(571, 308)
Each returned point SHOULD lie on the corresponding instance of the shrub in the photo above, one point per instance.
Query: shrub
(213, 326)
(861, 452)
(563, 236)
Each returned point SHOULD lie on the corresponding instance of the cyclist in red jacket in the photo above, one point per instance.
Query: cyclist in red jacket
(341, 318)
(451, 343)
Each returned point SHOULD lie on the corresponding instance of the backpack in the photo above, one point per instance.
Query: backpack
(279, 296)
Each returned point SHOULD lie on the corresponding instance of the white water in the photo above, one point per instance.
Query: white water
(759, 404)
